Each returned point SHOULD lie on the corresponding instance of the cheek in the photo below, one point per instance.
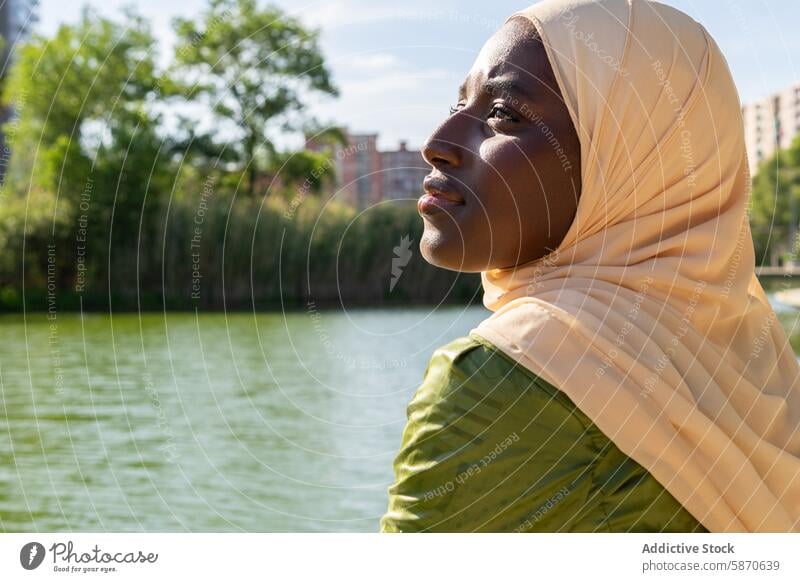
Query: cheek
(510, 184)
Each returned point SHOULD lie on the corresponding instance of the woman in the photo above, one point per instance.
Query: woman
(632, 375)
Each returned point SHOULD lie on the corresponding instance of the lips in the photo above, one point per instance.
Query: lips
(440, 194)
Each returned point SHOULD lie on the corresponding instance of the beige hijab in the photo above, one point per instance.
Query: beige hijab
(649, 315)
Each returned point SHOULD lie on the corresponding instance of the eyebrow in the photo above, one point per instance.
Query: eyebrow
(498, 84)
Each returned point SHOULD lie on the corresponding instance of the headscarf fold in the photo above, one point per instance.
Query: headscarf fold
(648, 315)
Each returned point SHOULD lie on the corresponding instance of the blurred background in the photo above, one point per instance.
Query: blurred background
(214, 309)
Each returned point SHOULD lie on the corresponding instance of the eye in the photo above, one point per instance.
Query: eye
(457, 107)
(503, 113)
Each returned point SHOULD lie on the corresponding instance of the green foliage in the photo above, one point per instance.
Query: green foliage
(305, 170)
(112, 210)
(78, 97)
(253, 66)
(775, 205)
(85, 72)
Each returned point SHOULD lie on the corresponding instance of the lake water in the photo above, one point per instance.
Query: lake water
(211, 422)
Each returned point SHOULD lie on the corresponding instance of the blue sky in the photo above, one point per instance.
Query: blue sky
(398, 64)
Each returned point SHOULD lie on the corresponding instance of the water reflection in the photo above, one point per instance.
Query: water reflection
(212, 422)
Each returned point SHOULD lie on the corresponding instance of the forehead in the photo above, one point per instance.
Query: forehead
(513, 52)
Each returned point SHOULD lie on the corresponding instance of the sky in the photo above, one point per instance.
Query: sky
(398, 64)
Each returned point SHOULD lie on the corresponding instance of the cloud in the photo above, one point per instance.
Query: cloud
(334, 13)
(370, 62)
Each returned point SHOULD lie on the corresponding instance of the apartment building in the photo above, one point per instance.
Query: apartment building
(366, 175)
(771, 123)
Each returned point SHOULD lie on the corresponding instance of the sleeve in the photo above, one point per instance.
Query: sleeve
(486, 448)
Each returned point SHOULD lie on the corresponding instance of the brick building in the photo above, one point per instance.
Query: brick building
(366, 175)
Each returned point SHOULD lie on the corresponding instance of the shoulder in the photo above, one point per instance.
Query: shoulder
(486, 443)
(471, 371)
(491, 446)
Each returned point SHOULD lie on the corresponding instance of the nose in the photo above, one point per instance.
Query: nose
(442, 148)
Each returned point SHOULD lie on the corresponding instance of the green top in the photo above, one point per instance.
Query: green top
(491, 447)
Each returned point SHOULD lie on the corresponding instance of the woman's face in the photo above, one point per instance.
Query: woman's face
(506, 162)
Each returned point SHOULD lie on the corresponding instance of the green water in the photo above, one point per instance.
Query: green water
(211, 422)
(207, 423)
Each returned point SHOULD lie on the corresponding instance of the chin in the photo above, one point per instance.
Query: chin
(438, 250)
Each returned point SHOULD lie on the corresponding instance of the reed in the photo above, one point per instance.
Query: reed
(211, 250)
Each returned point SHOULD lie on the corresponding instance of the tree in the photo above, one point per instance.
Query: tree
(85, 144)
(775, 205)
(73, 92)
(309, 171)
(327, 136)
(253, 67)
(306, 170)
